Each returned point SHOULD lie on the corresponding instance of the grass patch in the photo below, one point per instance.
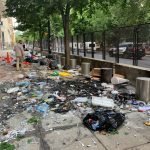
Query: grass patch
(19, 137)
(33, 120)
(29, 141)
(6, 146)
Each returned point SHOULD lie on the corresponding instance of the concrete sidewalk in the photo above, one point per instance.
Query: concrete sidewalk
(66, 131)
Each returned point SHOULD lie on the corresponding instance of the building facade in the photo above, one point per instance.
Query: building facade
(7, 34)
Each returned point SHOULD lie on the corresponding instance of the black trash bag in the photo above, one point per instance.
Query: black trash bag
(53, 64)
(42, 63)
(104, 120)
(29, 59)
(35, 61)
(50, 56)
(66, 67)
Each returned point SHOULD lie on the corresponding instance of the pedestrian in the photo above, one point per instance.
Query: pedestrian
(18, 48)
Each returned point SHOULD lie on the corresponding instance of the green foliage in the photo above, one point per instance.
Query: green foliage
(33, 120)
(6, 146)
(56, 26)
(122, 13)
(29, 141)
(19, 137)
(81, 16)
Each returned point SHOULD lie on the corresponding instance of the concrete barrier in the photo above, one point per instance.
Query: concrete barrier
(128, 71)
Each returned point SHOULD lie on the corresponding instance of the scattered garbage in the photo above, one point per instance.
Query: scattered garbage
(13, 90)
(117, 80)
(55, 73)
(65, 74)
(23, 83)
(144, 108)
(147, 123)
(80, 100)
(38, 94)
(103, 102)
(32, 75)
(20, 76)
(42, 108)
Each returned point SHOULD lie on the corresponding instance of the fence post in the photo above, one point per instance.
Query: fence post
(92, 44)
(58, 44)
(61, 43)
(117, 45)
(77, 45)
(104, 45)
(84, 47)
(72, 45)
(136, 49)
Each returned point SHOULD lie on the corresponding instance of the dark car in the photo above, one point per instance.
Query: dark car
(126, 50)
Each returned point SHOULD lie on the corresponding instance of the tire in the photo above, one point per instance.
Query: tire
(110, 54)
(126, 55)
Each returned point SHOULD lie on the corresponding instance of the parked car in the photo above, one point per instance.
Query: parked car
(126, 50)
(88, 46)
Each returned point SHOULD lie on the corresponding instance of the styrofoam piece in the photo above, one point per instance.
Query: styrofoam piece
(80, 100)
(103, 102)
(13, 90)
(118, 80)
(114, 92)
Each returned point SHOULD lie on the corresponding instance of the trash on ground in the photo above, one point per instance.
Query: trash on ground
(13, 90)
(103, 102)
(104, 120)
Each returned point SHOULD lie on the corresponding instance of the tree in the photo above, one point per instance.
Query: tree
(29, 15)
(33, 15)
(64, 8)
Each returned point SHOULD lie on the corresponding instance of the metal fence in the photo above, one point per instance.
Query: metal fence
(127, 45)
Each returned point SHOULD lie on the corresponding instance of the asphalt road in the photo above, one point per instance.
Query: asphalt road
(144, 62)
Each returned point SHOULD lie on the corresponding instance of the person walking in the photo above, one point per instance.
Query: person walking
(18, 48)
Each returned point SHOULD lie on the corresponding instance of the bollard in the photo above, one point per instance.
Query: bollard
(85, 69)
(63, 61)
(58, 59)
(54, 56)
(73, 63)
(143, 88)
(106, 74)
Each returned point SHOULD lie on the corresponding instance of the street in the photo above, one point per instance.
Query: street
(145, 62)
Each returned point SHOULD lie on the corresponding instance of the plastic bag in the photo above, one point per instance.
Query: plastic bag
(104, 120)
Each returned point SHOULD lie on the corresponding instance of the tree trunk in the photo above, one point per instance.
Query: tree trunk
(49, 36)
(40, 36)
(66, 40)
(34, 41)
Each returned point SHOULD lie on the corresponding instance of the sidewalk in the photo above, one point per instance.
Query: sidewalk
(65, 131)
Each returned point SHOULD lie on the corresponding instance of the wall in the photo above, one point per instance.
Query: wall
(130, 72)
